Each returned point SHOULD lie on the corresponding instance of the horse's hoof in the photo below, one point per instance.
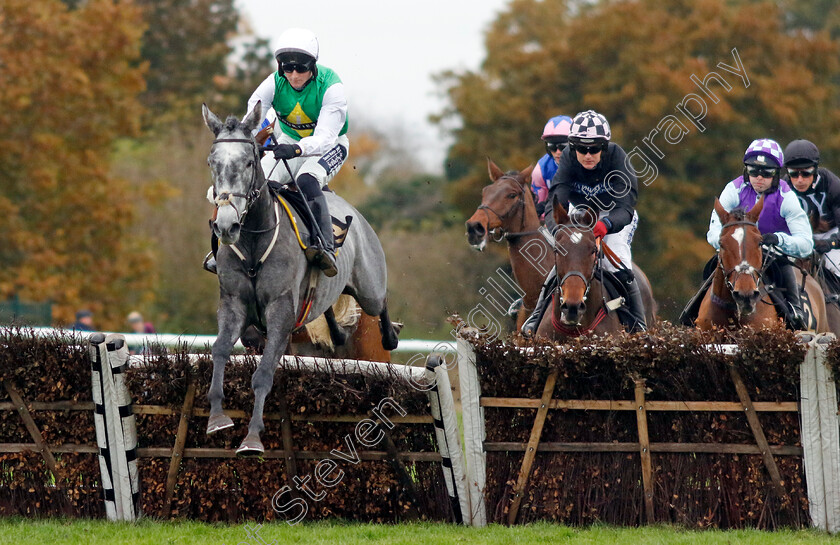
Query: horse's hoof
(218, 422)
(251, 446)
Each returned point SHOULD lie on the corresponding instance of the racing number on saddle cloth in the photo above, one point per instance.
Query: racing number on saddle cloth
(808, 310)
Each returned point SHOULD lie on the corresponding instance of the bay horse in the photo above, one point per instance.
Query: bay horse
(581, 281)
(507, 211)
(738, 296)
(263, 274)
(816, 265)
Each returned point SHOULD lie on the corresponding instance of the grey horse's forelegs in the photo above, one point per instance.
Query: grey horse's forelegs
(231, 325)
(280, 322)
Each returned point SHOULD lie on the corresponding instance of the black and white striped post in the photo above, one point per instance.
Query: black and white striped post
(116, 430)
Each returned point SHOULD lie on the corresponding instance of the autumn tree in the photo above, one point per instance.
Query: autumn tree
(639, 62)
(198, 51)
(68, 87)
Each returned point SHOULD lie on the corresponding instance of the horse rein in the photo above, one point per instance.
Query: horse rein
(224, 198)
(743, 267)
(520, 203)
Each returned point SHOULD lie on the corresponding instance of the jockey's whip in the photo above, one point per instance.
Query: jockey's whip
(316, 228)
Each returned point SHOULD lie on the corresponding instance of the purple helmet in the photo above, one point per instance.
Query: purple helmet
(764, 152)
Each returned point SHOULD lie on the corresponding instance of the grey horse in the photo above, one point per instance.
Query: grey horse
(263, 273)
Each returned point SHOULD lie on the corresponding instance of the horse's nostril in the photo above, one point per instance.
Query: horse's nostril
(475, 229)
(216, 230)
(234, 229)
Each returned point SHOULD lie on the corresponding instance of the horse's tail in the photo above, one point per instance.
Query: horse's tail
(347, 314)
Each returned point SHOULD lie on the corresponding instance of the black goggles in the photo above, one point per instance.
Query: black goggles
(588, 150)
(801, 172)
(300, 68)
(554, 146)
(764, 172)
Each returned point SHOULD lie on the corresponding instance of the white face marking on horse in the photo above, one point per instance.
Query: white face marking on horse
(576, 238)
(739, 235)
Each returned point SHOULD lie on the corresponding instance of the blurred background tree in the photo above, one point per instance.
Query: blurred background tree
(632, 61)
(68, 87)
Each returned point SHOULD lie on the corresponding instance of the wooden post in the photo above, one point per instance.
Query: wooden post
(402, 476)
(288, 445)
(531, 449)
(32, 428)
(758, 432)
(644, 449)
(178, 449)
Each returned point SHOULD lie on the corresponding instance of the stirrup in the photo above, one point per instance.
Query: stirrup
(209, 264)
(323, 259)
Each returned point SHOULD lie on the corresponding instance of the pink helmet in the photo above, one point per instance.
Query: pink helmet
(557, 126)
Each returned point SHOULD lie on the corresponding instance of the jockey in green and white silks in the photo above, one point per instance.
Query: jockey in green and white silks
(310, 127)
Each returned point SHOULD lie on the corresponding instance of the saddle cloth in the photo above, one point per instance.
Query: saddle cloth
(302, 222)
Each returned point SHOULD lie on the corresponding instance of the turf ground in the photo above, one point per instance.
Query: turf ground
(149, 532)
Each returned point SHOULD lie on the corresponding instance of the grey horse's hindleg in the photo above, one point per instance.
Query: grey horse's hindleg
(231, 324)
(389, 336)
(337, 333)
(263, 378)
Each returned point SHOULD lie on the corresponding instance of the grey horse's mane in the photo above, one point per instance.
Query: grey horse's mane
(232, 123)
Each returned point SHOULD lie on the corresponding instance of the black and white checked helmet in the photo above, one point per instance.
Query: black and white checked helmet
(590, 127)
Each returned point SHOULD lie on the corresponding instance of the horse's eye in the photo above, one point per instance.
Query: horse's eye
(250, 163)
(511, 195)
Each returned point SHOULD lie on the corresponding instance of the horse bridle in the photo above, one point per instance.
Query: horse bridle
(223, 199)
(587, 281)
(743, 267)
(520, 203)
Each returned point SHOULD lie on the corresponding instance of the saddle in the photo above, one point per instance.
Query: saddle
(303, 224)
(615, 288)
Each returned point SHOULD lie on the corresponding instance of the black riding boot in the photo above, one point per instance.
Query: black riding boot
(533, 322)
(321, 253)
(635, 306)
(796, 316)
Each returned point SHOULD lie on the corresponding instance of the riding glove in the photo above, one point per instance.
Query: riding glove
(825, 246)
(286, 151)
(600, 229)
(770, 239)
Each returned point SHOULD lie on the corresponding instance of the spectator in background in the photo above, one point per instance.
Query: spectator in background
(135, 321)
(84, 321)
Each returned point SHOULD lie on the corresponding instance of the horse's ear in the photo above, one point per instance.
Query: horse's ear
(753, 214)
(559, 211)
(722, 214)
(495, 172)
(525, 175)
(252, 120)
(211, 120)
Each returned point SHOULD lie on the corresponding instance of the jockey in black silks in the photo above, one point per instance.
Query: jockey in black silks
(593, 173)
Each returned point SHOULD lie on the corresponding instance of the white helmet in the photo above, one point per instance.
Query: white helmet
(297, 41)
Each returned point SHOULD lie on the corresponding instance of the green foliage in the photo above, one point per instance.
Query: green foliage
(187, 47)
(419, 199)
(632, 60)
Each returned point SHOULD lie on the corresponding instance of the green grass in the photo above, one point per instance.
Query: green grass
(149, 532)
